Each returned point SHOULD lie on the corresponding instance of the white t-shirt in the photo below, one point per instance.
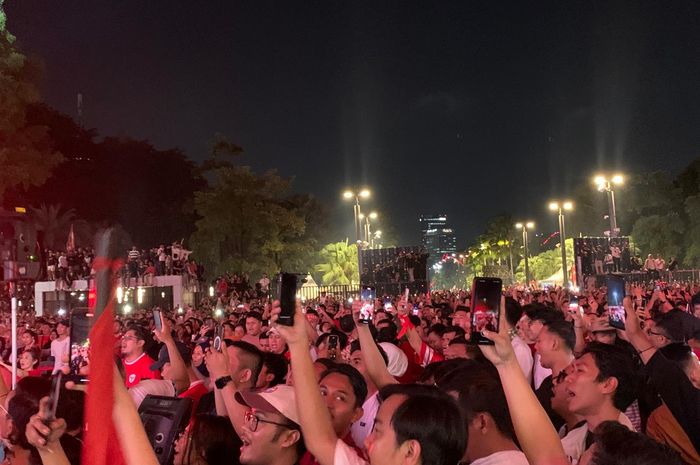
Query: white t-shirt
(504, 457)
(59, 349)
(362, 427)
(346, 455)
(539, 373)
(574, 443)
(524, 356)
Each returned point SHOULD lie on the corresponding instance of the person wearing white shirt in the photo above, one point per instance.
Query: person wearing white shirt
(514, 312)
(483, 403)
(600, 386)
(60, 347)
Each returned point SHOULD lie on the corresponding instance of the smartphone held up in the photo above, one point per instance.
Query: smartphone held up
(486, 307)
(616, 295)
(367, 296)
(287, 292)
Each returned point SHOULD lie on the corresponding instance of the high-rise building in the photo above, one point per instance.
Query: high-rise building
(438, 238)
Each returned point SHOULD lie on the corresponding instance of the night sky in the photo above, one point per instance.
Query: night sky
(466, 108)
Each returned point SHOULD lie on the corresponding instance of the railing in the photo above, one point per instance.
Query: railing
(344, 291)
(646, 277)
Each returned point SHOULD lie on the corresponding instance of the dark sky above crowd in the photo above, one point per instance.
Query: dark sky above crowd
(466, 108)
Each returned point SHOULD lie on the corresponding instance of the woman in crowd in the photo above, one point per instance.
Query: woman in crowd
(212, 441)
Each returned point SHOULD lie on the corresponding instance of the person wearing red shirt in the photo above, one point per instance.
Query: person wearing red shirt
(137, 364)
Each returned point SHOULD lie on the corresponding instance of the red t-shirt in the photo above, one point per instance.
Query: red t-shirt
(139, 369)
(195, 392)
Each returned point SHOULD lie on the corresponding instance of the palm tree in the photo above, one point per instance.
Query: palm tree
(339, 264)
(54, 223)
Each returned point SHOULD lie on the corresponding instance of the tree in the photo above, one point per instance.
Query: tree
(692, 245)
(149, 192)
(545, 264)
(662, 234)
(249, 223)
(338, 264)
(26, 154)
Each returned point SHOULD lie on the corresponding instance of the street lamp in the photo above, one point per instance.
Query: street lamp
(357, 194)
(560, 207)
(369, 240)
(524, 227)
(607, 185)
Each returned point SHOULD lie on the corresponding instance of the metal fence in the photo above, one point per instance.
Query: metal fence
(645, 277)
(344, 291)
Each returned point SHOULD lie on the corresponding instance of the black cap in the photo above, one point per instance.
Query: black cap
(164, 358)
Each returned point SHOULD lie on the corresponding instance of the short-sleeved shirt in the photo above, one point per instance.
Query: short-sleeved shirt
(139, 369)
(362, 427)
(347, 455)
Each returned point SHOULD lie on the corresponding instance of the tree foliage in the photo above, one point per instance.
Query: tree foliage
(147, 191)
(26, 152)
(545, 264)
(250, 223)
(338, 264)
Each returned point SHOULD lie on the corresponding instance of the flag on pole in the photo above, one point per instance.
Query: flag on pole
(101, 442)
(70, 243)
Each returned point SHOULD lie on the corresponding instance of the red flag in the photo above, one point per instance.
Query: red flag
(70, 243)
(101, 443)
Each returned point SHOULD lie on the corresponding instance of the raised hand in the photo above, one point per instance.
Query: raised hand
(44, 434)
(295, 334)
(501, 352)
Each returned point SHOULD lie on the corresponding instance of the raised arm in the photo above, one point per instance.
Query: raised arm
(376, 368)
(316, 426)
(224, 398)
(177, 364)
(535, 432)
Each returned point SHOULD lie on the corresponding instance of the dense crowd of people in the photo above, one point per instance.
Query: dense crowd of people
(558, 385)
(140, 265)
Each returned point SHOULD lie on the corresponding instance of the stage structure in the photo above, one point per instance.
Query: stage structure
(392, 270)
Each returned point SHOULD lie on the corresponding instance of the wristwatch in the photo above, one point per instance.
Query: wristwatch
(221, 383)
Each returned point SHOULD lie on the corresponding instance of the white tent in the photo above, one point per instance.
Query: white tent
(309, 290)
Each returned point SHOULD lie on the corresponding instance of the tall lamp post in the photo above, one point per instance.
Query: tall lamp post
(561, 207)
(524, 227)
(356, 195)
(608, 186)
(368, 238)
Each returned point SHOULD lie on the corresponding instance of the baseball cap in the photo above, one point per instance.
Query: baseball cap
(164, 358)
(277, 399)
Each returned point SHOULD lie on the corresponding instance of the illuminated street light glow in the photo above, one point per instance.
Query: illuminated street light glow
(618, 179)
(519, 225)
(554, 206)
(364, 193)
(568, 206)
(530, 225)
(373, 215)
(348, 194)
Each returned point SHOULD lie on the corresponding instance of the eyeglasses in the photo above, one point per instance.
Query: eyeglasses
(252, 420)
(129, 338)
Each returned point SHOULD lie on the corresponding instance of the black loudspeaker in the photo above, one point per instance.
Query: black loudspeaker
(164, 418)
